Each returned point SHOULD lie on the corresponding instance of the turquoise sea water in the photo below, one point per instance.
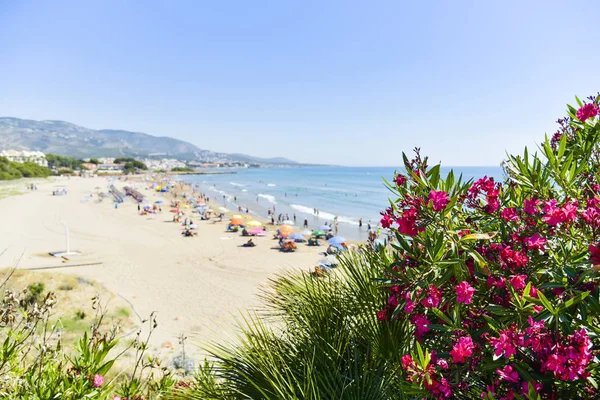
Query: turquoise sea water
(350, 193)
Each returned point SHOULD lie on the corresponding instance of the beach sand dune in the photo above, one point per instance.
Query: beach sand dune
(196, 285)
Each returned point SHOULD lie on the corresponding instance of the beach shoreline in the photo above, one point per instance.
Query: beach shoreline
(197, 285)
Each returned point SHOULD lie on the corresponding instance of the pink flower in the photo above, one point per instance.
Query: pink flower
(116, 398)
(492, 205)
(386, 221)
(569, 211)
(587, 111)
(382, 315)
(594, 253)
(464, 292)
(509, 374)
(407, 361)
(409, 306)
(434, 296)
(518, 282)
(530, 206)
(439, 200)
(400, 180)
(98, 380)
(421, 323)
(553, 215)
(407, 223)
(535, 242)
(508, 342)
(509, 214)
(464, 348)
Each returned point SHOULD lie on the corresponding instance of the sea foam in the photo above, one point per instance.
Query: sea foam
(268, 197)
(323, 214)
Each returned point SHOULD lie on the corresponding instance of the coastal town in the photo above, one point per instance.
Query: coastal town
(116, 165)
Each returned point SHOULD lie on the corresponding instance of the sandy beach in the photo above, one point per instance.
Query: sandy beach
(197, 285)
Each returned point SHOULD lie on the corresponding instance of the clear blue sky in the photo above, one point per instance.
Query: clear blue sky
(344, 82)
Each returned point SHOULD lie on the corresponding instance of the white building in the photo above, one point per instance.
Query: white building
(164, 164)
(36, 157)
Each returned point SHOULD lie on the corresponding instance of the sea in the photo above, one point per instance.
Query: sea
(350, 193)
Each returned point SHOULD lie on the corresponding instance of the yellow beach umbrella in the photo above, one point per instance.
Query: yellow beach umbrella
(254, 223)
(237, 216)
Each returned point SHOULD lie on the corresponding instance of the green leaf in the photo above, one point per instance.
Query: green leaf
(572, 301)
(544, 301)
(438, 313)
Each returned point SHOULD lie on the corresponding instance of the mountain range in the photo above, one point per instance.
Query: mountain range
(67, 139)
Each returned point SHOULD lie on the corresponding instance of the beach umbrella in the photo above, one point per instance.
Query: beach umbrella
(192, 199)
(158, 202)
(237, 216)
(185, 206)
(254, 223)
(296, 236)
(174, 210)
(288, 222)
(318, 233)
(236, 221)
(286, 228)
(306, 232)
(337, 240)
(223, 209)
(193, 226)
(256, 231)
(146, 207)
(325, 228)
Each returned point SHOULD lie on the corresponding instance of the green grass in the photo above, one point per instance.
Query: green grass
(123, 312)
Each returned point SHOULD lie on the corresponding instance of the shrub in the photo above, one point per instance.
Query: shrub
(34, 364)
(499, 279)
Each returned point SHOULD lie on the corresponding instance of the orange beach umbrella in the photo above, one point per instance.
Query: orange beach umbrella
(236, 221)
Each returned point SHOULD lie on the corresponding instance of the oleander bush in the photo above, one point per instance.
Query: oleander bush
(499, 278)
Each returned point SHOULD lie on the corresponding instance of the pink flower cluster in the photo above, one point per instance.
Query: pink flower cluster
(591, 214)
(587, 111)
(464, 292)
(432, 298)
(436, 384)
(491, 190)
(507, 257)
(507, 343)
(554, 215)
(463, 349)
(438, 199)
(567, 358)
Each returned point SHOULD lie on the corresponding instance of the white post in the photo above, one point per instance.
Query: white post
(67, 236)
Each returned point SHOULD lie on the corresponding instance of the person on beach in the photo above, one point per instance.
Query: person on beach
(369, 226)
(294, 218)
(360, 223)
(139, 207)
(305, 223)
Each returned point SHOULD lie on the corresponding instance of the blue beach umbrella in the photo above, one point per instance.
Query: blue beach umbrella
(296, 236)
(336, 240)
(158, 202)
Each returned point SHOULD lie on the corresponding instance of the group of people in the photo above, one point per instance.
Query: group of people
(281, 218)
